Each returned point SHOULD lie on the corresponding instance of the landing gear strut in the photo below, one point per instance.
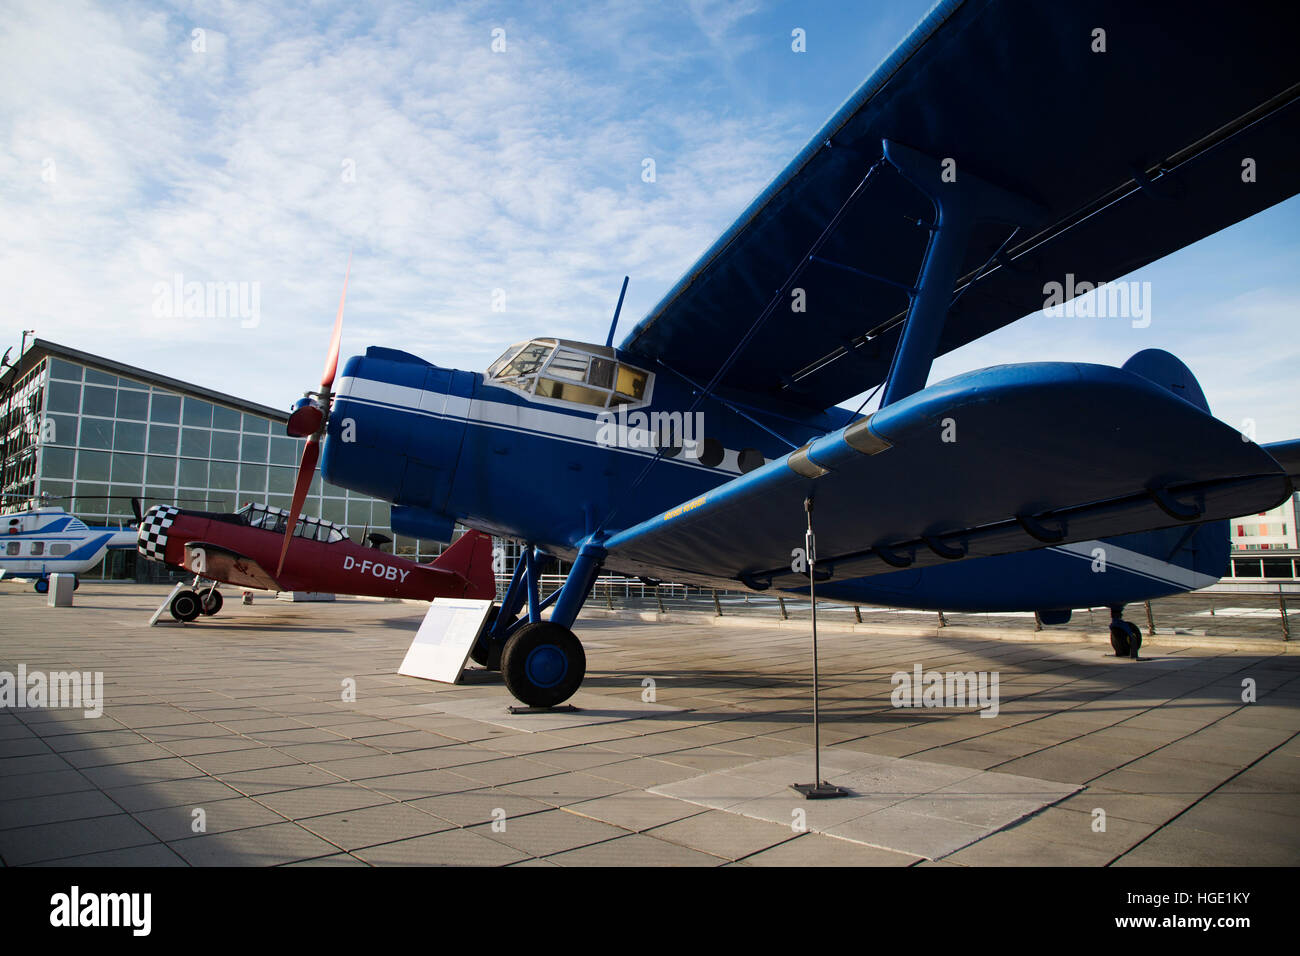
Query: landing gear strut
(543, 663)
(1125, 636)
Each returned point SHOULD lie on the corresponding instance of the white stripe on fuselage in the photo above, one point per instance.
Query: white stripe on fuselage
(522, 418)
(1135, 562)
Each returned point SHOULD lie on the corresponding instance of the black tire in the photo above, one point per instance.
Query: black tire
(42, 585)
(76, 583)
(212, 601)
(481, 652)
(1134, 639)
(543, 664)
(1119, 638)
(186, 606)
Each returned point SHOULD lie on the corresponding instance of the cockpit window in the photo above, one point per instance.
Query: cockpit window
(570, 372)
(529, 359)
(268, 518)
(568, 364)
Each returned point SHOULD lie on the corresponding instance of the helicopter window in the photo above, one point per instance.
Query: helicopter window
(38, 547)
(13, 548)
(60, 548)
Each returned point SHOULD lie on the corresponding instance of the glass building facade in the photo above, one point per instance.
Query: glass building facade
(89, 434)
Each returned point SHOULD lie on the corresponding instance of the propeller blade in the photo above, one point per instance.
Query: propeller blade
(306, 471)
(135, 510)
(332, 359)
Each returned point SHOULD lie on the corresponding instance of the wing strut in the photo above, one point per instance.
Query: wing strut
(960, 199)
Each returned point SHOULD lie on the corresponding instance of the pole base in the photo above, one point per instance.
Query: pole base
(819, 791)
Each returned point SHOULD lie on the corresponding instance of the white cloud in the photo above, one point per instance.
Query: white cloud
(473, 171)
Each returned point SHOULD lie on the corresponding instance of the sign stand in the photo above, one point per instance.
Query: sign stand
(445, 638)
(166, 603)
(819, 789)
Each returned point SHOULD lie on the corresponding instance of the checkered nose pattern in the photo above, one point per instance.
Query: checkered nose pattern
(152, 541)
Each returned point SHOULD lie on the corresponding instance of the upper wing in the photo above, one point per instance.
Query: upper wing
(1185, 124)
(892, 490)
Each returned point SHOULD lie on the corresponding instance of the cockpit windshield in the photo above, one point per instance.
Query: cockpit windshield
(570, 372)
(269, 518)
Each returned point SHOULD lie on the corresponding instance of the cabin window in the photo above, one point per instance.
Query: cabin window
(570, 392)
(13, 548)
(631, 385)
(602, 373)
(38, 548)
(59, 548)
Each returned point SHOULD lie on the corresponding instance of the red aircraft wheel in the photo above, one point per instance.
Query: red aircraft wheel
(543, 664)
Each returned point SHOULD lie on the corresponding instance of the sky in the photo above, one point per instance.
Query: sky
(485, 195)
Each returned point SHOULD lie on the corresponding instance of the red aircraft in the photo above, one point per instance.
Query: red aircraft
(237, 549)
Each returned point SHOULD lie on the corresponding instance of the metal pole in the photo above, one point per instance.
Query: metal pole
(785, 616)
(1151, 621)
(857, 612)
(817, 789)
(1281, 603)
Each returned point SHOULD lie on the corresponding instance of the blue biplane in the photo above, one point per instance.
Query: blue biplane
(1004, 146)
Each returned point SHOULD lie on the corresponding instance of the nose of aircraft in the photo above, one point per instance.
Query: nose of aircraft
(152, 538)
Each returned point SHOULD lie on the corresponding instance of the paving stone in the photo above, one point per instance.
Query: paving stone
(256, 846)
(635, 849)
(53, 841)
(453, 847)
(551, 831)
(727, 835)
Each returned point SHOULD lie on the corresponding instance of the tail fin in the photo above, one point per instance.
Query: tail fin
(470, 558)
(1195, 552)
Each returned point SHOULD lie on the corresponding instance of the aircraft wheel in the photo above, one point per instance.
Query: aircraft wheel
(186, 606)
(42, 585)
(481, 652)
(1134, 639)
(1119, 638)
(76, 583)
(212, 601)
(543, 664)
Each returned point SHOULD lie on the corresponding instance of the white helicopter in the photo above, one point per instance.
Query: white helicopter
(45, 540)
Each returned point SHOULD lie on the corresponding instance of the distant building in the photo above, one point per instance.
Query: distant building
(1273, 530)
(95, 433)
